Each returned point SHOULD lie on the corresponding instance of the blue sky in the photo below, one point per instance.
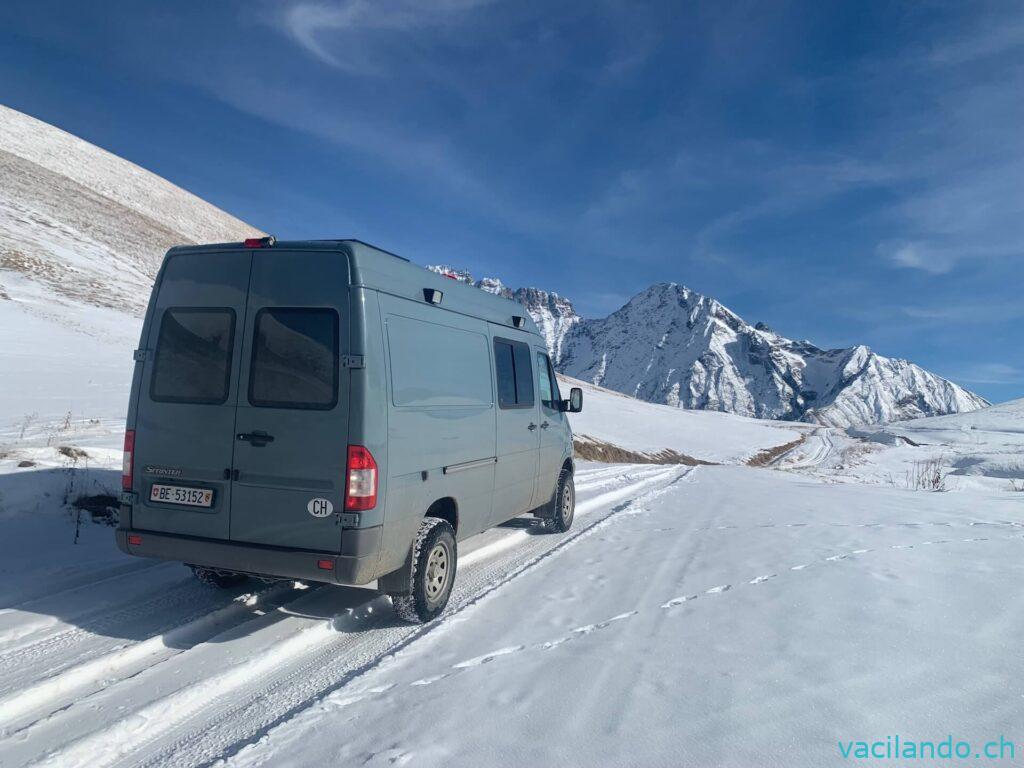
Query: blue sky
(846, 172)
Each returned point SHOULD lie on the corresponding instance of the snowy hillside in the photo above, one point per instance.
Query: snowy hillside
(671, 345)
(649, 428)
(983, 449)
(82, 233)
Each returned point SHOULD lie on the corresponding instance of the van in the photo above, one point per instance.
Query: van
(327, 411)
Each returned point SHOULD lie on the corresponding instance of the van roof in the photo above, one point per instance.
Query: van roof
(381, 270)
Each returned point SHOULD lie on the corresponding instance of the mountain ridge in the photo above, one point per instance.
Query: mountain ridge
(669, 344)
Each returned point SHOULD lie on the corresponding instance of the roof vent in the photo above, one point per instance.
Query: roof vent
(518, 321)
(432, 295)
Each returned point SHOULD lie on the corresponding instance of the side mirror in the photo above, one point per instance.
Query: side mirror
(575, 402)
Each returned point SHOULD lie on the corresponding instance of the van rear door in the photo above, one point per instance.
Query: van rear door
(291, 431)
(184, 430)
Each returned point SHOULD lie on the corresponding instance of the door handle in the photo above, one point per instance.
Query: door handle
(531, 426)
(257, 439)
(544, 425)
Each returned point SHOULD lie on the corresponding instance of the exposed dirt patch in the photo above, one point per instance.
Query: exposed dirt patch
(72, 453)
(25, 463)
(769, 455)
(589, 449)
(102, 508)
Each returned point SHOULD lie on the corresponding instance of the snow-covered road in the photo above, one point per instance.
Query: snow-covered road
(744, 617)
(696, 616)
(156, 668)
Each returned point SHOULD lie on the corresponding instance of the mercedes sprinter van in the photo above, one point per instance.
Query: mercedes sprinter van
(328, 411)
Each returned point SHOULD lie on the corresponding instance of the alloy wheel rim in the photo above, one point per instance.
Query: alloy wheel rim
(437, 571)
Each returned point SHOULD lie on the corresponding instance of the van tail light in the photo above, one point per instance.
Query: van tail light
(128, 461)
(361, 480)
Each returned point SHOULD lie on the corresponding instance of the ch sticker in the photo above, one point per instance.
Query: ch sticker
(320, 507)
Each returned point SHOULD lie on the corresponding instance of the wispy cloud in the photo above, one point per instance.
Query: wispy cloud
(965, 312)
(342, 34)
(992, 373)
(916, 255)
(982, 42)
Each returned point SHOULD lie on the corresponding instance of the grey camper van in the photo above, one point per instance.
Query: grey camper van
(327, 411)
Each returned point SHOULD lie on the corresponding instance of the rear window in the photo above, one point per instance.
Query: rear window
(295, 359)
(193, 356)
(515, 374)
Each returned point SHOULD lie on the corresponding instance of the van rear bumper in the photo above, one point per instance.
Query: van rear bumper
(355, 565)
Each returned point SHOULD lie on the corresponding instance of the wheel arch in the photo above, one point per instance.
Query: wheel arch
(446, 508)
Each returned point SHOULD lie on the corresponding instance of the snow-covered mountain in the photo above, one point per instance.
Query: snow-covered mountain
(553, 314)
(672, 345)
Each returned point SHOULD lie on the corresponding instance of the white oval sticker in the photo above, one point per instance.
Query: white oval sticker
(320, 507)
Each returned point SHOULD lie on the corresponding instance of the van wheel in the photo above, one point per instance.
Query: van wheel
(219, 579)
(563, 505)
(434, 557)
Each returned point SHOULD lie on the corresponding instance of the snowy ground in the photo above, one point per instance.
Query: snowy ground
(977, 451)
(725, 616)
(695, 616)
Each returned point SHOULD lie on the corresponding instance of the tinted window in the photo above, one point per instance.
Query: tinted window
(505, 368)
(515, 374)
(524, 375)
(295, 359)
(193, 356)
(549, 395)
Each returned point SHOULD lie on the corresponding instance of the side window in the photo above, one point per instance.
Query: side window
(505, 368)
(193, 356)
(524, 375)
(549, 394)
(515, 374)
(295, 359)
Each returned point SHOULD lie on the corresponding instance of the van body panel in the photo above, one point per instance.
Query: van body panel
(293, 389)
(440, 403)
(517, 432)
(555, 435)
(186, 437)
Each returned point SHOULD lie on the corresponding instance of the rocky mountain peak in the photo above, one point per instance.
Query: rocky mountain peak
(670, 344)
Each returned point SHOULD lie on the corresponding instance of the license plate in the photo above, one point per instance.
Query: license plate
(176, 494)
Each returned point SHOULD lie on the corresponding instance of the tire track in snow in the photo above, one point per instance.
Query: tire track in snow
(116, 658)
(182, 601)
(825, 447)
(46, 696)
(320, 659)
